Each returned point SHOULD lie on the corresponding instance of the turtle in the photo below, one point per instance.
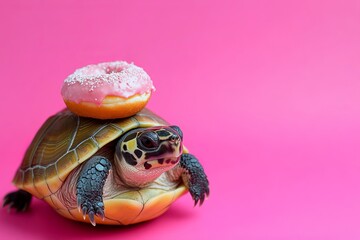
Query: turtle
(115, 172)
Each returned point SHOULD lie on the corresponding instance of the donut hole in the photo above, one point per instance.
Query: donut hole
(113, 69)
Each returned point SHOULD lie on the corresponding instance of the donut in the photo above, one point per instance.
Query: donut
(107, 90)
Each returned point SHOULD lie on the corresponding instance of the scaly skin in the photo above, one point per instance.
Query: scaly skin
(89, 187)
(194, 178)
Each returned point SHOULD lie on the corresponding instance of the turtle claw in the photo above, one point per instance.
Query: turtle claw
(91, 208)
(6, 201)
(84, 212)
(100, 213)
(26, 205)
(10, 206)
(18, 200)
(195, 178)
(199, 191)
(205, 195)
(200, 199)
(79, 201)
(92, 218)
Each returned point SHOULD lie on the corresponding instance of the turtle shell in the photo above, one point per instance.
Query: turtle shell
(64, 142)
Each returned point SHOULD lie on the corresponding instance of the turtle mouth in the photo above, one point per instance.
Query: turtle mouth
(161, 162)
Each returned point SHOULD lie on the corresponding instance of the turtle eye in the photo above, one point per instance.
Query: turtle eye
(149, 140)
(178, 131)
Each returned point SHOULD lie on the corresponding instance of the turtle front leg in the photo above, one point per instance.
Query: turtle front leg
(194, 177)
(89, 187)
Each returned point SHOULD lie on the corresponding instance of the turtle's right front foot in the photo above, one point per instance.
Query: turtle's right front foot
(89, 188)
(18, 200)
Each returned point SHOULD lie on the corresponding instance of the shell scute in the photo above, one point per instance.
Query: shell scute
(40, 182)
(86, 149)
(126, 124)
(52, 142)
(52, 179)
(66, 163)
(107, 132)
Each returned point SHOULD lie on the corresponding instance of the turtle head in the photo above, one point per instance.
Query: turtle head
(146, 153)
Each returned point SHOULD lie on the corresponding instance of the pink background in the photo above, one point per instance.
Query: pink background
(266, 92)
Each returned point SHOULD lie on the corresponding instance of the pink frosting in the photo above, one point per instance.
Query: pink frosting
(94, 82)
